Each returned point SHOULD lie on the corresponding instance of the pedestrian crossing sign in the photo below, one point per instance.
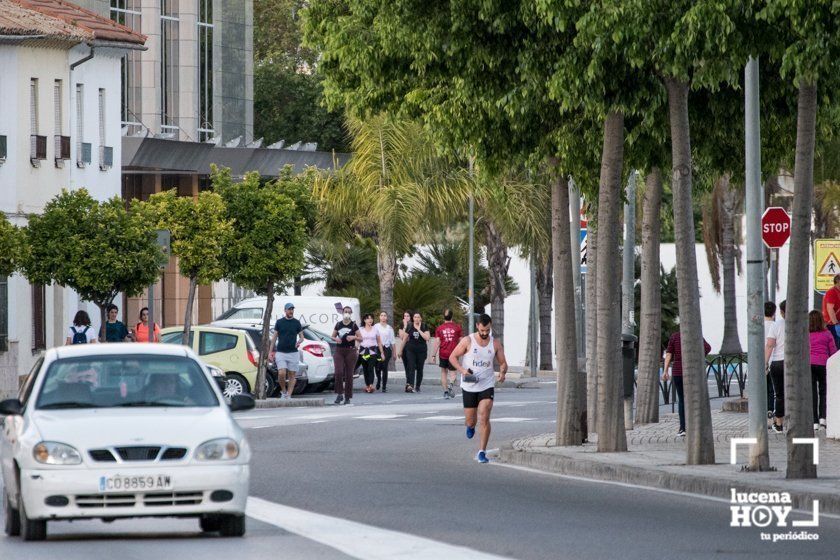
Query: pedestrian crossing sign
(826, 263)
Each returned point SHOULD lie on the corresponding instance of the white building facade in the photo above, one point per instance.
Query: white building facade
(60, 85)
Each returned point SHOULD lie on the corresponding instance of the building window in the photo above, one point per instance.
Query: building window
(80, 123)
(57, 102)
(205, 70)
(127, 12)
(169, 67)
(37, 143)
(39, 317)
(101, 117)
(4, 313)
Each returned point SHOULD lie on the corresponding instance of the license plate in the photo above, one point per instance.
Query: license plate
(134, 483)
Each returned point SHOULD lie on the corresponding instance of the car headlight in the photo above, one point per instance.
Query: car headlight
(53, 453)
(222, 449)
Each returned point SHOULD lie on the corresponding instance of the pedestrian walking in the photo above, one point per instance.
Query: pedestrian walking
(415, 350)
(774, 354)
(831, 310)
(80, 332)
(370, 350)
(386, 337)
(115, 330)
(769, 319)
(473, 358)
(345, 334)
(141, 329)
(822, 348)
(673, 359)
(287, 337)
(448, 335)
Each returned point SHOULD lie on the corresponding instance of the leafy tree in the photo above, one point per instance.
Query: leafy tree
(271, 221)
(98, 249)
(199, 233)
(805, 44)
(11, 247)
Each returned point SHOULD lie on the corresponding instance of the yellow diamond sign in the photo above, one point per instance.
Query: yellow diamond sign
(826, 263)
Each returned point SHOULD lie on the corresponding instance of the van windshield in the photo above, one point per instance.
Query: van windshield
(125, 381)
(241, 313)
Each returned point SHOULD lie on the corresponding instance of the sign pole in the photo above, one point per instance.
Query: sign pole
(757, 386)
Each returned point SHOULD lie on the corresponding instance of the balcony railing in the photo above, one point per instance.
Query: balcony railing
(37, 149)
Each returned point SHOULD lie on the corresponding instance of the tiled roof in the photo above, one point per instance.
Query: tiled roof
(61, 20)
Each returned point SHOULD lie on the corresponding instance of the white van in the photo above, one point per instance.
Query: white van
(321, 313)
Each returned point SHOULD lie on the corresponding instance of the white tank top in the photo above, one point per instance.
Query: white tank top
(480, 360)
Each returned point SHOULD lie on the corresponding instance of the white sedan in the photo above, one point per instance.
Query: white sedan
(122, 430)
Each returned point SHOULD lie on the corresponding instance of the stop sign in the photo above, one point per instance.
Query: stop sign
(775, 227)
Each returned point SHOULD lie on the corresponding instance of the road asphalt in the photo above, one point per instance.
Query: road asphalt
(395, 473)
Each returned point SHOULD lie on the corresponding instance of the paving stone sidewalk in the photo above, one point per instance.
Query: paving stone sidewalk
(656, 458)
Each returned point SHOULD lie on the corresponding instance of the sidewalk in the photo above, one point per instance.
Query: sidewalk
(656, 458)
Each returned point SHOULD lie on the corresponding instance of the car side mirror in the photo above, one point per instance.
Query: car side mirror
(242, 402)
(11, 407)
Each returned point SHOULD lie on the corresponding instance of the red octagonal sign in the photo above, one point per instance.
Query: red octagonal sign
(775, 227)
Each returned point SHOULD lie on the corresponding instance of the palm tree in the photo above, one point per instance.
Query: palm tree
(395, 189)
(721, 236)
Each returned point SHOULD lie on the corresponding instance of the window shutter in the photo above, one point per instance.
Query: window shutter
(80, 119)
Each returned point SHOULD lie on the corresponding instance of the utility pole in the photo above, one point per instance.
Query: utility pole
(574, 239)
(471, 289)
(628, 278)
(757, 384)
(533, 321)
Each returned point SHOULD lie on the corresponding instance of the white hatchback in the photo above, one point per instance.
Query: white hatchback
(122, 430)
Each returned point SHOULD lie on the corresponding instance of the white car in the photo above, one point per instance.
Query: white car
(122, 430)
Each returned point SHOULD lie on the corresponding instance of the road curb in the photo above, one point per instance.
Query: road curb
(660, 478)
(293, 403)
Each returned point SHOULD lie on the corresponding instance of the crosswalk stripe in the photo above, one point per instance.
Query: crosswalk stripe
(379, 416)
(357, 539)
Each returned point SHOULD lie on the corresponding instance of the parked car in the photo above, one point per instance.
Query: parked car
(122, 430)
(321, 312)
(315, 354)
(231, 350)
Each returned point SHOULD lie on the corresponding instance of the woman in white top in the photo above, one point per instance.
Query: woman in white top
(386, 338)
(80, 332)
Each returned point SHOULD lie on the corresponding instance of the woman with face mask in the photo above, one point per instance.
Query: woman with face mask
(415, 349)
(370, 350)
(386, 337)
(345, 334)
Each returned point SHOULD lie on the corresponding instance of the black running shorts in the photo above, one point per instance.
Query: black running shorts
(444, 364)
(471, 400)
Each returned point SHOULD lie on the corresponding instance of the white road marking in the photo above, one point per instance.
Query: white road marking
(634, 486)
(380, 416)
(510, 419)
(357, 539)
(460, 417)
(256, 427)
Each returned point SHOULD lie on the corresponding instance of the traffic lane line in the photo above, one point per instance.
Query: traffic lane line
(357, 539)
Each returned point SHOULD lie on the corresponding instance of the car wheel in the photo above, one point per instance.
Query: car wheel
(270, 385)
(235, 384)
(30, 529)
(209, 523)
(12, 525)
(232, 525)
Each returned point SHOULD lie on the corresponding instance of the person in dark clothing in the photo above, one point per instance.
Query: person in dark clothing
(115, 331)
(415, 351)
(774, 356)
(288, 335)
(673, 358)
(769, 319)
(345, 334)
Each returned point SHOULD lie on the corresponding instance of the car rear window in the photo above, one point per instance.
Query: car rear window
(125, 381)
(210, 342)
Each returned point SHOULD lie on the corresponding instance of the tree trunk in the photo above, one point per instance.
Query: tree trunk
(650, 310)
(297, 286)
(700, 449)
(386, 267)
(185, 340)
(798, 405)
(497, 262)
(259, 390)
(545, 288)
(591, 320)
(731, 342)
(103, 318)
(610, 413)
(569, 419)
(820, 232)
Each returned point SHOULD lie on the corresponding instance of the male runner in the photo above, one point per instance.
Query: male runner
(478, 380)
(448, 335)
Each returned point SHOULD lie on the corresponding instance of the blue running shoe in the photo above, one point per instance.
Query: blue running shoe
(470, 432)
(482, 457)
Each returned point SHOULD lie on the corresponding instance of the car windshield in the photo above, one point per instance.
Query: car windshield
(125, 381)
(241, 313)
